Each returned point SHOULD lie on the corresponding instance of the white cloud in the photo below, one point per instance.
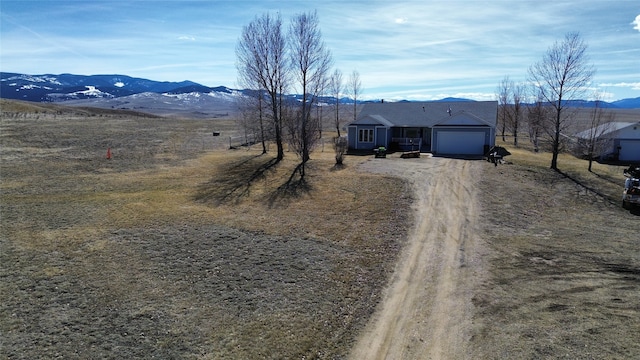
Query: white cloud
(632, 85)
(637, 23)
(410, 49)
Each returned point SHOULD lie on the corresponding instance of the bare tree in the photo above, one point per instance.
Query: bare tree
(340, 144)
(252, 118)
(261, 63)
(502, 93)
(562, 75)
(600, 123)
(536, 118)
(311, 61)
(335, 86)
(515, 113)
(355, 88)
(510, 98)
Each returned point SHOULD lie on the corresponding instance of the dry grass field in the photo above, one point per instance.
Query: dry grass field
(180, 248)
(563, 262)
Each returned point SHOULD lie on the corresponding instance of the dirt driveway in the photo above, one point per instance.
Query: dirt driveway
(426, 310)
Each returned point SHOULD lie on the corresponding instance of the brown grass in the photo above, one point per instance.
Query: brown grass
(564, 271)
(172, 250)
(179, 248)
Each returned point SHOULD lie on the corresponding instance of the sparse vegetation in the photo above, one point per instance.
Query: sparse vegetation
(181, 248)
(564, 272)
(562, 75)
(172, 250)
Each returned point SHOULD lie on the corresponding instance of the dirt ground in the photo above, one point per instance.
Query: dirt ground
(427, 310)
(510, 262)
(563, 263)
(165, 251)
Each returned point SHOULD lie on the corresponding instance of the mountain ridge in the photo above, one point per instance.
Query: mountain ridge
(108, 88)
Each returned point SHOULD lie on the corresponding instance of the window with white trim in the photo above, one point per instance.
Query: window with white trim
(365, 135)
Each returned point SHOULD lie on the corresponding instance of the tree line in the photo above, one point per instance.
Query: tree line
(273, 62)
(543, 103)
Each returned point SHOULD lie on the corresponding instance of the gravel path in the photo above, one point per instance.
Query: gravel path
(427, 311)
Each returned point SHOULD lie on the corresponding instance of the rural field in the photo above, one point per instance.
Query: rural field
(563, 257)
(178, 247)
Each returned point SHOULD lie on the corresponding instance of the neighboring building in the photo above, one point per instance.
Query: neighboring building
(439, 127)
(621, 140)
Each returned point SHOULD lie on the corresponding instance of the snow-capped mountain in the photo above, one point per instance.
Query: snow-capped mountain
(185, 98)
(157, 97)
(73, 87)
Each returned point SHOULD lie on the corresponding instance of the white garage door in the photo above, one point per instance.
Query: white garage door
(629, 150)
(462, 143)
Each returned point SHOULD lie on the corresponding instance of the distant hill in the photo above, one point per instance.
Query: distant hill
(49, 88)
(449, 99)
(10, 106)
(184, 98)
(628, 103)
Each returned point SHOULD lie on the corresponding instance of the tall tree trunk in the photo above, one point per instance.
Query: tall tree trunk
(262, 135)
(556, 141)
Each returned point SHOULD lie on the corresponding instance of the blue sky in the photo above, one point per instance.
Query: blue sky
(418, 50)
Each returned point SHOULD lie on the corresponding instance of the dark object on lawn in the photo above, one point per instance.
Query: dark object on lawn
(381, 152)
(631, 192)
(499, 150)
(216, 133)
(496, 153)
(410, 154)
(633, 171)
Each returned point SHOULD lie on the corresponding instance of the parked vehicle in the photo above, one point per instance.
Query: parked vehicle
(631, 192)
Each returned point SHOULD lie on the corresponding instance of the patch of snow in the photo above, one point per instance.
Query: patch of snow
(30, 87)
(119, 84)
(36, 79)
(143, 95)
(184, 97)
(225, 96)
(91, 91)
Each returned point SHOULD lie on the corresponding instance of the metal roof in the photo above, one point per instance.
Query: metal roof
(428, 113)
(605, 129)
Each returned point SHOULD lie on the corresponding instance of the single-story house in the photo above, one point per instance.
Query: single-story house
(439, 127)
(620, 140)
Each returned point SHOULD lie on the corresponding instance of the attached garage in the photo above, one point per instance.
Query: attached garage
(455, 128)
(462, 133)
(629, 150)
(464, 142)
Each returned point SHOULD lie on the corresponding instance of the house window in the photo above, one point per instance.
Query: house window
(365, 135)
